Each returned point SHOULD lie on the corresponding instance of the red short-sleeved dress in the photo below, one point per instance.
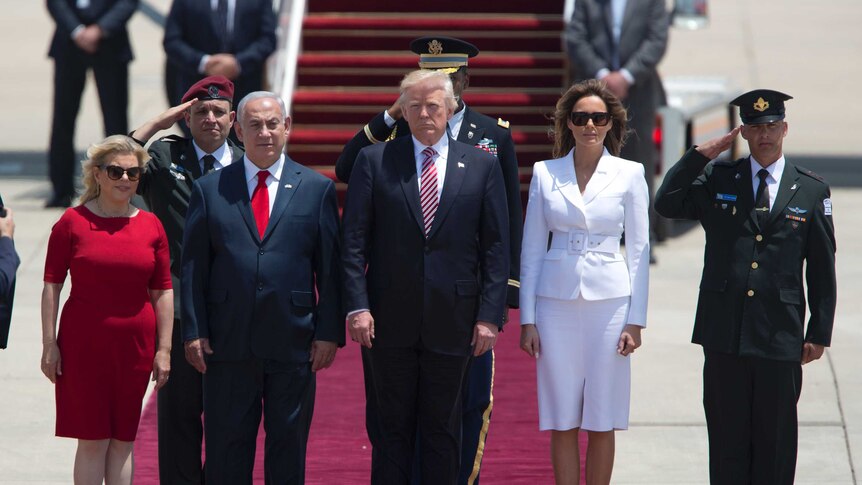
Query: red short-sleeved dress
(107, 333)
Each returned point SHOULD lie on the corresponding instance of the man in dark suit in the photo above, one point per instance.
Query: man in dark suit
(231, 38)
(451, 56)
(621, 42)
(261, 298)
(9, 262)
(426, 215)
(764, 217)
(91, 34)
(166, 186)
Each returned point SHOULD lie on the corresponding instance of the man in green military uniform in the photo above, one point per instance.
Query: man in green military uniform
(166, 186)
(764, 219)
(451, 56)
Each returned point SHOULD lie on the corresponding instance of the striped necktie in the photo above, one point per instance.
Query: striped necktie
(428, 188)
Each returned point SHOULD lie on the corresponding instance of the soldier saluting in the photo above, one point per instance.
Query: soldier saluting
(763, 217)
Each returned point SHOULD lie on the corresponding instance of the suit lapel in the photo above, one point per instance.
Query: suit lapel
(744, 190)
(287, 187)
(189, 161)
(456, 168)
(787, 188)
(563, 172)
(471, 132)
(236, 183)
(605, 173)
(405, 163)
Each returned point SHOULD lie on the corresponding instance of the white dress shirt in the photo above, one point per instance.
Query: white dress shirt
(775, 170)
(274, 170)
(222, 155)
(442, 149)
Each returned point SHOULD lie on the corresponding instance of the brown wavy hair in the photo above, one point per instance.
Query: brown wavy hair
(563, 138)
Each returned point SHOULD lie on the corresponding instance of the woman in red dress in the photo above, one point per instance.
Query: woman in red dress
(120, 306)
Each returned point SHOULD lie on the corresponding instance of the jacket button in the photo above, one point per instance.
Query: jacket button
(758, 238)
(261, 252)
(754, 265)
(750, 293)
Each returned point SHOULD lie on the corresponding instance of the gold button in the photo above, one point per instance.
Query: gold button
(758, 238)
(754, 265)
(750, 292)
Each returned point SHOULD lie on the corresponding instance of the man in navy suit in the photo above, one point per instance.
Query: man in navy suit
(426, 216)
(91, 34)
(261, 298)
(230, 38)
(9, 262)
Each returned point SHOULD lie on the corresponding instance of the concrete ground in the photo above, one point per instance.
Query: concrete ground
(799, 47)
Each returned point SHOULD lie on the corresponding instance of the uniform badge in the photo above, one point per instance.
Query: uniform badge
(733, 212)
(794, 224)
(761, 105)
(724, 206)
(797, 210)
(212, 91)
(470, 135)
(177, 171)
(488, 145)
(435, 47)
(727, 197)
(737, 176)
(827, 207)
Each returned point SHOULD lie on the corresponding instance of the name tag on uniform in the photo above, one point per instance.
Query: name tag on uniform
(727, 197)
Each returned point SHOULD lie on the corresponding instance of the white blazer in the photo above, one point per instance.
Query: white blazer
(584, 256)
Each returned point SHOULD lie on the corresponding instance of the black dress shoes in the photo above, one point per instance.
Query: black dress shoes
(61, 201)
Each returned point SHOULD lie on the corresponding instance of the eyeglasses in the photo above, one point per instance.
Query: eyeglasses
(115, 172)
(580, 118)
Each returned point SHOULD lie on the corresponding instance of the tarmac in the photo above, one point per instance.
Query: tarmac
(790, 45)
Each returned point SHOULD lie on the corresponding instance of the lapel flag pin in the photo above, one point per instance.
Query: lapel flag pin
(794, 186)
(737, 176)
(472, 125)
(288, 186)
(460, 164)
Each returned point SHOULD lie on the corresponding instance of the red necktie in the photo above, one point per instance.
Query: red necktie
(428, 189)
(260, 203)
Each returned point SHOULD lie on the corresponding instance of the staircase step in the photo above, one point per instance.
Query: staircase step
(398, 59)
(339, 135)
(383, 24)
(385, 98)
(479, 78)
(358, 116)
(437, 6)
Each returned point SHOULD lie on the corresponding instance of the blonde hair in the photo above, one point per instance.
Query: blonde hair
(439, 79)
(102, 153)
(563, 138)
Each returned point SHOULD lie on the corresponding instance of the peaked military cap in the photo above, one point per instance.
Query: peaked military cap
(761, 106)
(211, 87)
(441, 53)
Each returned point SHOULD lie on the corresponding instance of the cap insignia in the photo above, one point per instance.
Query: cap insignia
(213, 91)
(761, 105)
(435, 47)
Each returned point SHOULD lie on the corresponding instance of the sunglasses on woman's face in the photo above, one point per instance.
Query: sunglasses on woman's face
(580, 118)
(115, 172)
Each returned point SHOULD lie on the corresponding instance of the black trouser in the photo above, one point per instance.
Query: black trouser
(418, 388)
(233, 392)
(70, 74)
(750, 406)
(180, 427)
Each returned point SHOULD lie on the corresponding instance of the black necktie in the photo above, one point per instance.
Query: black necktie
(209, 163)
(614, 61)
(762, 198)
(221, 23)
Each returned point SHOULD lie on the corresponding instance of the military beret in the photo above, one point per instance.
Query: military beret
(210, 87)
(441, 53)
(761, 106)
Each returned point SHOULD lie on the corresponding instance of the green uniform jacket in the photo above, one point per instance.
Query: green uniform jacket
(166, 187)
(752, 301)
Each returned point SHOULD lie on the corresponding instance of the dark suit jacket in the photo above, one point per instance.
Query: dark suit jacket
(190, 33)
(430, 290)
(262, 298)
(9, 262)
(110, 15)
(475, 128)
(752, 301)
(166, 187)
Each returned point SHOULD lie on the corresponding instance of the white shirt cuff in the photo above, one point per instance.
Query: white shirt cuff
(203, 64)
(77, 30)
(603, 73)
(354, 312)
(628, 75)
(390, 121)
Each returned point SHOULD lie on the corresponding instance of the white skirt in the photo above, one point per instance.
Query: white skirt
(582, 381)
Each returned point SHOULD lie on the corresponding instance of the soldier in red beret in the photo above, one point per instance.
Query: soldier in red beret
(166, 186)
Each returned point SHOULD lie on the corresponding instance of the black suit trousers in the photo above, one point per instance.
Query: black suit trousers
(235, 393)
(70, 74)
(418, 388)
(750, 406)
(180, 405)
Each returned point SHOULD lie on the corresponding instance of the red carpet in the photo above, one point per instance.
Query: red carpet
(339, 452)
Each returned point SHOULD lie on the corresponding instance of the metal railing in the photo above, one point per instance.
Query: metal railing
(282, 65)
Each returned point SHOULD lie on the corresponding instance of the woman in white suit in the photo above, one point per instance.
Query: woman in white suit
(582, 303)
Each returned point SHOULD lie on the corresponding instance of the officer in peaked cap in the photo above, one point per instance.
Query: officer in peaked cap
(166, 186)
(763, 217)
(492, 135)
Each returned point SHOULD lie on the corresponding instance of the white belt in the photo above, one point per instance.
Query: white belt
(579, 242)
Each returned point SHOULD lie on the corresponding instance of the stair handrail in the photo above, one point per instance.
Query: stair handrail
(284, 61)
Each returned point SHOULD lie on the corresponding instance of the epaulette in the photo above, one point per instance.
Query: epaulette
(502, 123)
(810, 173)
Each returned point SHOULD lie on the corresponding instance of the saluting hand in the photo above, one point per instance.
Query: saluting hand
(714, 147)
(195, 350)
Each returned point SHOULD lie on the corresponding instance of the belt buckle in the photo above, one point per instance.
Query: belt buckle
(577, 242)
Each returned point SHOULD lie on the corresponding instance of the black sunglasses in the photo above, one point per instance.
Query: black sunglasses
(115, 172)
(580, 118)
